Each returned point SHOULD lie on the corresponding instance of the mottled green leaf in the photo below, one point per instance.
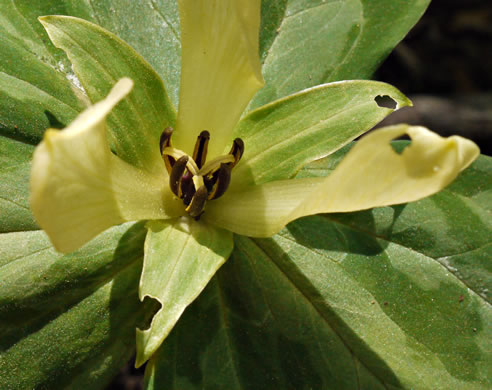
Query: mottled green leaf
(310, 42)
(38, 88)
(68, 321)
(361, 300)
(285, 135)
(135, 126)
(302, 42)
(453, 227)
(35, 91)
(15, 164)
(326, 41)
(151, 27)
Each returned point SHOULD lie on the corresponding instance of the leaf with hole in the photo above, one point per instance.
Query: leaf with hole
(392, 299)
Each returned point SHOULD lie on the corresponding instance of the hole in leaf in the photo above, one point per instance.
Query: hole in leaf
(54, 122)
(152, 307)
(400, 143)
(386, 101)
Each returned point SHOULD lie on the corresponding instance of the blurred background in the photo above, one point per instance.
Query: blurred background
(445, 66)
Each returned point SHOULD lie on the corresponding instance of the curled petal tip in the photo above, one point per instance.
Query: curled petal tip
(371, 175)
(79, 188)
(121, 89)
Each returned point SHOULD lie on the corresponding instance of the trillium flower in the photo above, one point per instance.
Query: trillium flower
(219, 171)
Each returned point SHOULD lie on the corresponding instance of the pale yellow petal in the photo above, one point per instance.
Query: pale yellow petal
(220, 69)
(79, 188)
(371, 175)
(262, 210)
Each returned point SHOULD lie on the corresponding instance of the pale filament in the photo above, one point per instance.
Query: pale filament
(198, 182)
(215, 163)
(177, 154)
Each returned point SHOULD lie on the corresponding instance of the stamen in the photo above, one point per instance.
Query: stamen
(213, 165)
(197, 204)
(197, 181)
(222, 179)
(177, 174)
(194, 180)
(187, 188)
(201, 148)
(165, 142)
(176, 153)
(237, 150)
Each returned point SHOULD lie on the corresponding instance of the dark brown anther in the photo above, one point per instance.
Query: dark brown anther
(187, 188)
(166, 138)
(176, 175)
(164, 143)
(220, 180)
(197, 204)
(201, 148)
(186, 173)
(237, 151)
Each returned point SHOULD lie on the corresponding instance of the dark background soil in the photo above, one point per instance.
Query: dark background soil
(445, 66)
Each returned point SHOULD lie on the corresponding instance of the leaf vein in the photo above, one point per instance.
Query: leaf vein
(33, 30)
(314, 306)
(154, 6)
(223, 319)
(14, 203)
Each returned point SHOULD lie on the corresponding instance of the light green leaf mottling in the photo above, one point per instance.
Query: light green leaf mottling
(181, 256)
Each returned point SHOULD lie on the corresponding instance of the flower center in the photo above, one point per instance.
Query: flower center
(192, 178)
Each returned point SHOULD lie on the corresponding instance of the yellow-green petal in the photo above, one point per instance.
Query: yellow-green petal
(371, 175)
(220, 69)
(80, 188)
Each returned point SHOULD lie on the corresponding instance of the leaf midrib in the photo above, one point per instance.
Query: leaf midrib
(266, 300)
(287, 17)
(223, 319)
(35, 33)
(314, 306)
(355, 42)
